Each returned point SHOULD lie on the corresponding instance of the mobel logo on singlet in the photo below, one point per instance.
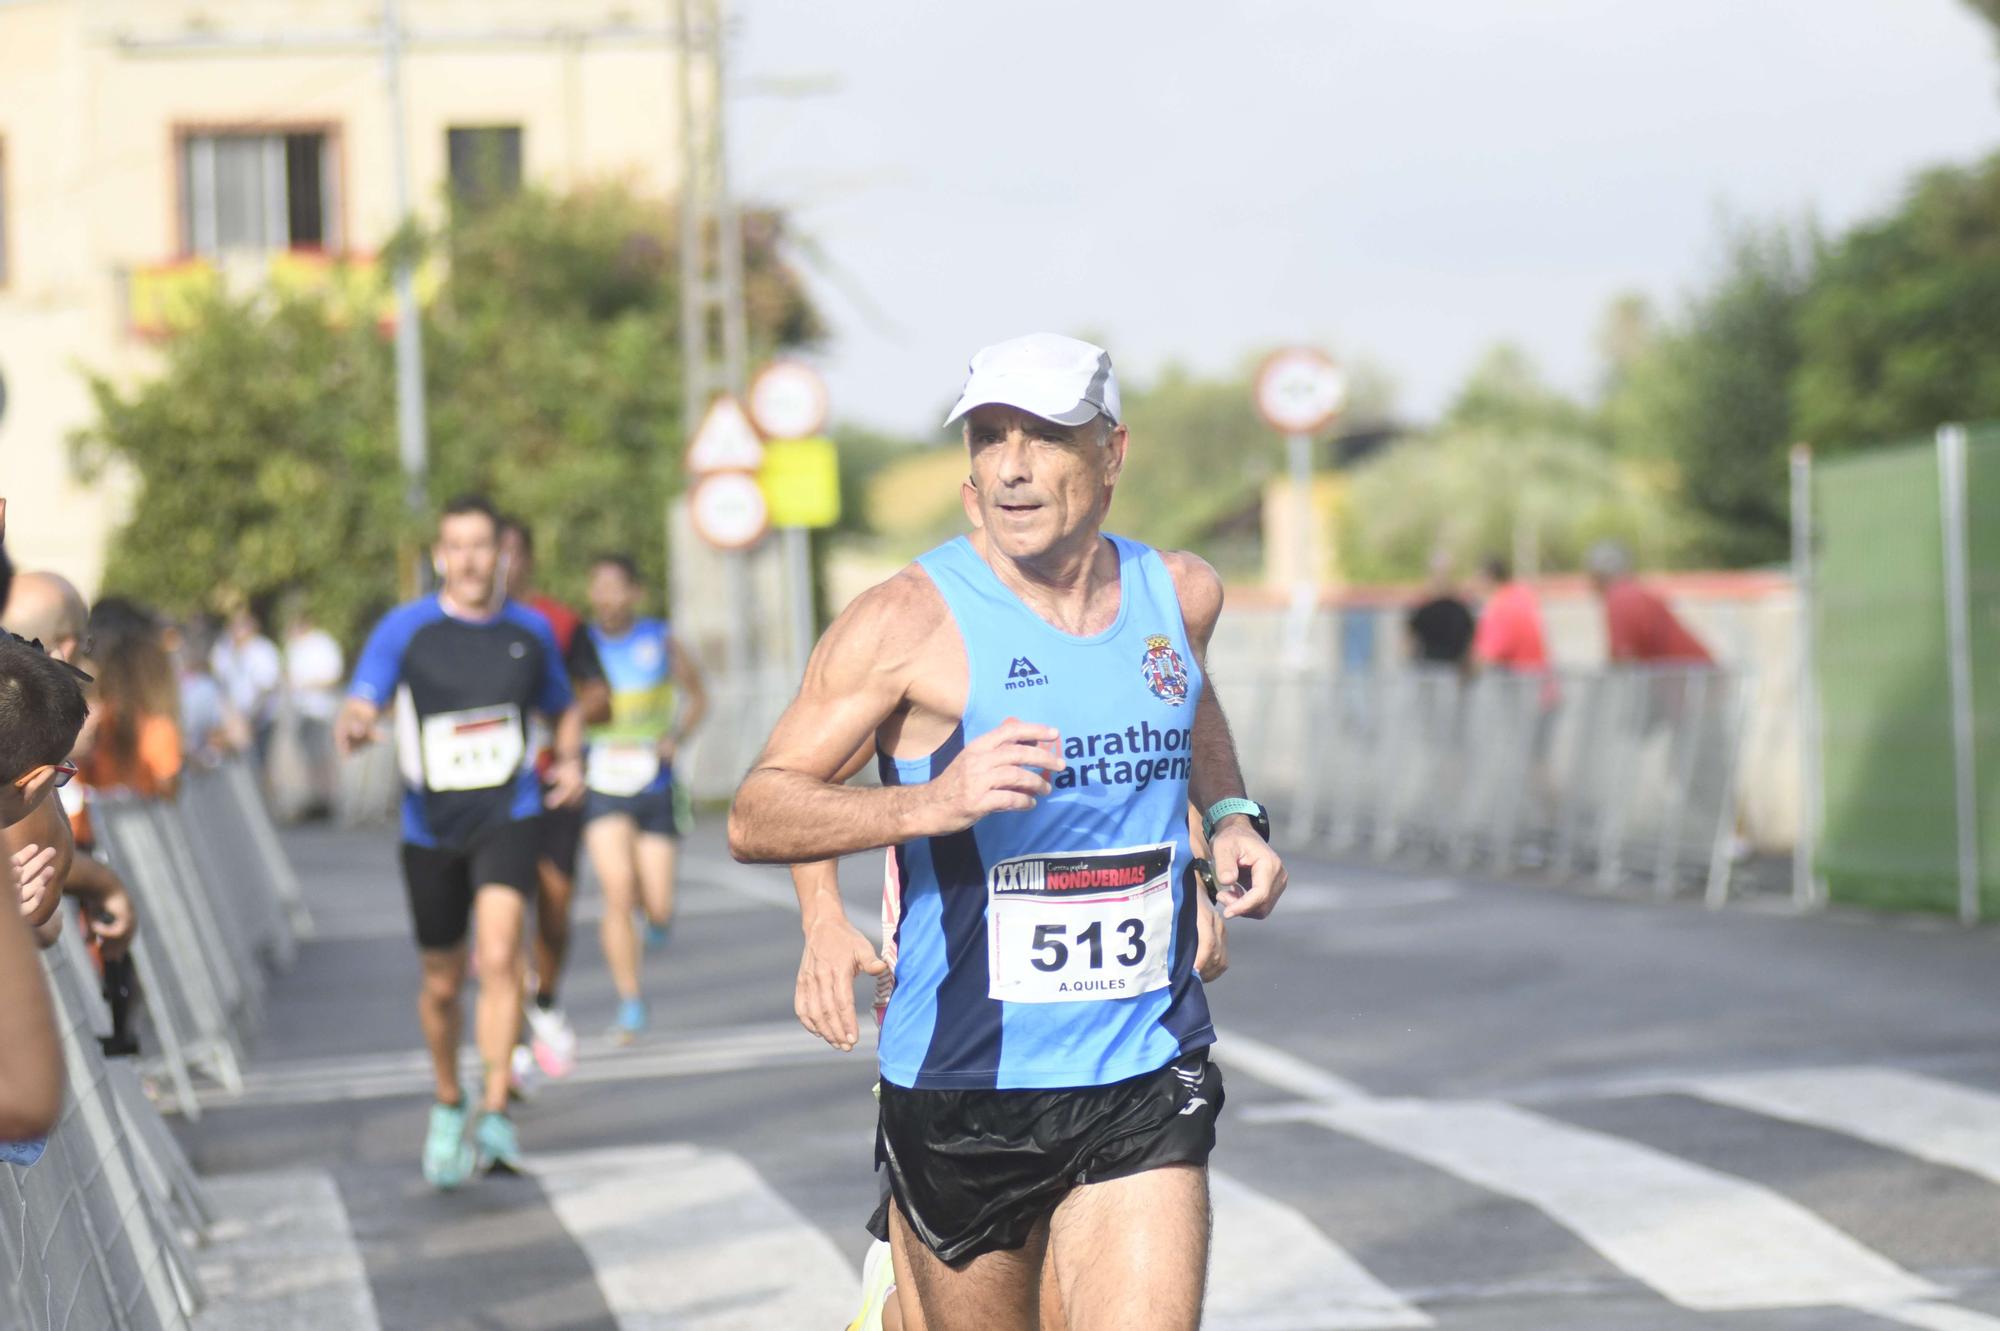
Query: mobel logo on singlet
(1023, 675)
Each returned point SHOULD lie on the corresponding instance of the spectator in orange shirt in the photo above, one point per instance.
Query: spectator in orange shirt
(1509, 635)
(1639, 628)
(138, 745)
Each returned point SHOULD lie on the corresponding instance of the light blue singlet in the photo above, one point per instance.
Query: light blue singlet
(1054, 947)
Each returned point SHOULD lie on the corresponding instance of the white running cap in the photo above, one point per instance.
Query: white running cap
(1057, 378)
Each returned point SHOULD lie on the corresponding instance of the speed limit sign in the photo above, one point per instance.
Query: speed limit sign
(1300, 390)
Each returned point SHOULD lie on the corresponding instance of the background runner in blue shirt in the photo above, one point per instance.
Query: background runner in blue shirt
(465, 671)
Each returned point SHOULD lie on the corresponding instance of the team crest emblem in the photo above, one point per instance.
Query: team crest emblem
(1166, 674)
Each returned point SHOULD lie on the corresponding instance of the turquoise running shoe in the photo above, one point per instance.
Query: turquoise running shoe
(447, 1155)
(630, 1021)
(657, 935)
(498, 1148)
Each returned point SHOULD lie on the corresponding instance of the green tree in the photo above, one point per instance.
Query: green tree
(265, 450)
(1902, 328)
(1710, 397)
(1506, 395)
(1540, 499)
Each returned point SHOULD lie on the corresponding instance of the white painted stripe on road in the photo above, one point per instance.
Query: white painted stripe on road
(1317, 898)
(385, 1076)
(1938, 1317)
(1270, 1269)
(281, 1253)
(1917, 1115)
(1702, 1239)
(1274, 1067)
(693, 1239)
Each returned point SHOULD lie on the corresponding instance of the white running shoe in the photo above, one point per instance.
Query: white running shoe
(552, 1040)
(522, 1074)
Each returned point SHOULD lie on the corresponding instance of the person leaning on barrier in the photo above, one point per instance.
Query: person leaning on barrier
(1639, 627)
(45, 607)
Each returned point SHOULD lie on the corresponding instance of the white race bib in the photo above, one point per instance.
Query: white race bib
(1081, 926)
(621, 766)
(477, 749)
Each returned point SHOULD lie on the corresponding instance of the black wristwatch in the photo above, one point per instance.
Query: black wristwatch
(1260, 817)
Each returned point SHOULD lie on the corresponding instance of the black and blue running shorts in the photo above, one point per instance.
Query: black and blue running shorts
(975, 1171)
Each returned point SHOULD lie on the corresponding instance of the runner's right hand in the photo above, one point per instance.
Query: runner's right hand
(835, 953)
(999, 771)
(354, 728)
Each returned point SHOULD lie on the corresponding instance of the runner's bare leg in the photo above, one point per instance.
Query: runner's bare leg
(498, 913)
(440, 1015)
(1147, 1232)
(552, 925)
(995, 1291)
(659, 856)
(612, 842)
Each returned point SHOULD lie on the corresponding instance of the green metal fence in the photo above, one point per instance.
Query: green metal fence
(1890, 729)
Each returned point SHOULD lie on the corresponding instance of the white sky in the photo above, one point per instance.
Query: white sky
(1404, 180)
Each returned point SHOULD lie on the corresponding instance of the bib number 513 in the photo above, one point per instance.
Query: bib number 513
(1051, 952)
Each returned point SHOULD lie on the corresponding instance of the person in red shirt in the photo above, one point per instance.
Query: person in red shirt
(1639, 628)
(552, 1043)
(1509, 635)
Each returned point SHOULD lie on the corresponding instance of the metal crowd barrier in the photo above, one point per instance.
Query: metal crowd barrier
(1626, 775)
(97, 1233)
(219, 907)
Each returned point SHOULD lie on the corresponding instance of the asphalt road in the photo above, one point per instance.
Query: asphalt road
(1452, 1103)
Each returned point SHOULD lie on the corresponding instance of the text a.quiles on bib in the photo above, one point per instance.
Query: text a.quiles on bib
(1080, 926)
(479, 748)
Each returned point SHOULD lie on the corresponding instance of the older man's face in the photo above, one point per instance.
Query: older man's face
(1036, 484)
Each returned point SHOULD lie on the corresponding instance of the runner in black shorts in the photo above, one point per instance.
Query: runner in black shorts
(552, 1046)
(637, 810)
(466, 671)
(1037, 696)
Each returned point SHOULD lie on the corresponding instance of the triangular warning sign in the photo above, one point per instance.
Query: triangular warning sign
(726, 440)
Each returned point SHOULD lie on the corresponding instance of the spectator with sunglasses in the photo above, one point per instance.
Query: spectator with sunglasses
(41, 711)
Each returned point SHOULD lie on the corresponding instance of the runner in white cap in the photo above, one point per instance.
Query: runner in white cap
(1037, 698)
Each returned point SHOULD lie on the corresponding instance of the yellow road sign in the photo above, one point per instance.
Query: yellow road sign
(801, 480)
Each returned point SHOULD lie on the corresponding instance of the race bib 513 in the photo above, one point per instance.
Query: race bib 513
(1080, 926)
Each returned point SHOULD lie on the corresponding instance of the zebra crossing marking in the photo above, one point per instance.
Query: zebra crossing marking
(282, 1253)
(694, 1239)
(1700, 1238)
(1271, 1269)
(1904, 1111)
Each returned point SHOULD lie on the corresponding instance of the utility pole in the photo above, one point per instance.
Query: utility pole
(412, 431)
(715, 345)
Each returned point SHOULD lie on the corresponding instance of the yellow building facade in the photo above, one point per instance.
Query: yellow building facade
(149, 146)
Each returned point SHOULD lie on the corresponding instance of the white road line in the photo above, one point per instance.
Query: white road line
(1274, 1067)
(384, 1076)
(692, 1239)
(1702, 1239)
(281, 1253)
(1920, 1116)
(1317, 898)
(1270, 1269)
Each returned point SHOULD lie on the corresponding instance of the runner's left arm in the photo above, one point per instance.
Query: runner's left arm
(586, 676)
(557, 700)
(1249, 872)
(689, 682)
